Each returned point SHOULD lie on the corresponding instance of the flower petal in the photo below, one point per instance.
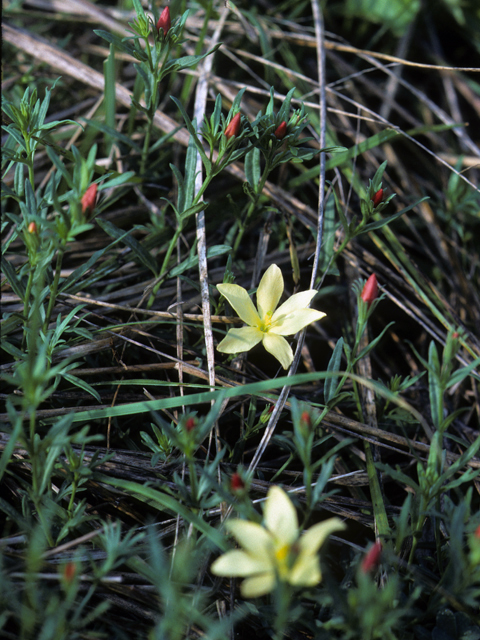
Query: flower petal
(239, 340)
(278, 347)
(299, 300)
(240, 300)
(306, 571)
(258, 585)
(313, 538)
(236, 563)
(253, 538)
(269, 290)
(280, 516)
(295, 321)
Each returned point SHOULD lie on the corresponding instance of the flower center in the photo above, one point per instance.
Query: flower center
(266, 322)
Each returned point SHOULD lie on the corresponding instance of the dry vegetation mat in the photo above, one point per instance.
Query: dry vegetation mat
(240, 320)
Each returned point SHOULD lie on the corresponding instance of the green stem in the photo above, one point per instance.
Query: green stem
(31, 174)
(164, 268)
(26, 304)
(193, 481)
(54, 287)
(282, 609)
(253, 205)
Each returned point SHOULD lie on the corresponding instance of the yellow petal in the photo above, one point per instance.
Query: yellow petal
(313, 538)
(253, 538)
(239, 340)
(269, 290)
(240, 300)
(237, 563)
(298, 301)
(305, 572)
(280, 517)
(295, 321)
(257, 586)
(278, 347)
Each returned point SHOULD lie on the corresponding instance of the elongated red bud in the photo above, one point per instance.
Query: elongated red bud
(305, 418)
(233, 129)
(69, 571)
(164, 22)
(377, 198)
(190, 424)
(32, 228)
(236, 482)
(372, 558)
(281, 131)
(89, 199)
(370, 290)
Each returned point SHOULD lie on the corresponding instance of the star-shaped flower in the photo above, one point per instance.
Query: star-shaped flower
(267, 324)
(276, 551)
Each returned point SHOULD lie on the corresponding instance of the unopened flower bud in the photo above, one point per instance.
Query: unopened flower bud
(89, 199)
(377, 198)
(233, 129)
(236, 482)
(190, 424)
(281, 131)
(32, 228)
(305, 419)
(69, 571)
(266, 413)
(370, 290)
(371, 559)
(476, 533)
(164, 22)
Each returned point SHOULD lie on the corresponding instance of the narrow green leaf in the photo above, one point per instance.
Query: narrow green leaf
(13, 280)
(138, 250)
(333, 366)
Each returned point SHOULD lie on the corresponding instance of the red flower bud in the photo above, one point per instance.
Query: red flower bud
(305, 418)
(371, 559)
(370, 290)
(477, 532)
(69, 571)
(190, 424)
(89, 199)
(455, 335)
(281, 131)
(236, 482)
(233, 129)
(32, 228)
(377, 198)
(164, 22)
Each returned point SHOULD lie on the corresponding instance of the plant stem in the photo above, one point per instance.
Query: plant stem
(54, 287)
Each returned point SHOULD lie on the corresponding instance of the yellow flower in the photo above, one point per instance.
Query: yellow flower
(276, 551)
(265, 324)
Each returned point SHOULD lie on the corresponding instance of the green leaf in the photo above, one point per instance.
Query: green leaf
(138, 250)
(462, 373)
(162, 501)
(333, 366)
(191, 129)
(79, 271)
(212, 252)
(13, 280)
(434, 389)
(186, 61)
(253, 168)
(78, 382)
(114, 134)
(386, 221)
